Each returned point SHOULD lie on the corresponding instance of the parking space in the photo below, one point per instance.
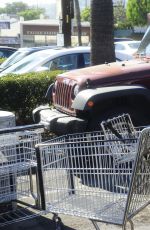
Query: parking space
(142, 222)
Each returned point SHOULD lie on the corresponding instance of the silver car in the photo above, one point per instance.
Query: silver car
(52, 59)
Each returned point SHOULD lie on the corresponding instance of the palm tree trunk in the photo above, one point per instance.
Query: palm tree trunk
(78, 19)
(102, 32)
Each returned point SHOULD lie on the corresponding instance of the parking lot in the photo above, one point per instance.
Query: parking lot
(89, 198)
(142, 222)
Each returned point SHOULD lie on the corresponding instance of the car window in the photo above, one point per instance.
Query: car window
(15, 57)
(66, 62)
(26, 62)
(21, 66)
(8, 53)
(86, 59)
(5, 53)
(119, 47)
(1, 54)
(134, 45)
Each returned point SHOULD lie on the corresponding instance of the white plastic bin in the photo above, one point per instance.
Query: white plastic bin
(7, 119)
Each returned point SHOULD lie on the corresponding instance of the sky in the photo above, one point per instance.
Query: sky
(33, 2)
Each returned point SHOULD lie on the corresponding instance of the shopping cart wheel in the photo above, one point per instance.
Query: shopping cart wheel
(58, 222)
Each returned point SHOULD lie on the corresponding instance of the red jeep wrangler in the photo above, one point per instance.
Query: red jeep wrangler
(83, 98)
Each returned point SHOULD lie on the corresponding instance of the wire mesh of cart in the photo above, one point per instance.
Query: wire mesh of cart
(17, 172)
(77, 177)
(120, 128)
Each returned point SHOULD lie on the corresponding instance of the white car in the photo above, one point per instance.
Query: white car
(125, 50)
(51, 59)
(20, 54)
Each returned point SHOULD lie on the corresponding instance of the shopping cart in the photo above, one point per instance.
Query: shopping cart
(97, 190)
(18, 180)
(122, 129)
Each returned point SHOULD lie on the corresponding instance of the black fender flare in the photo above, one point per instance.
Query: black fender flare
(98, 95)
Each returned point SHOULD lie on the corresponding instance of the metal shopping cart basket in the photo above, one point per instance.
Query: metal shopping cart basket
(72, 184)
(18, 181)
(121, 128)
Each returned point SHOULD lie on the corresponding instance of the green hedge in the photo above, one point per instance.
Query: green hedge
(22, 93)
(2, 60)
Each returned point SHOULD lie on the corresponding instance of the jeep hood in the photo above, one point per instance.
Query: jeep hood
(110, 74)
(117, 72)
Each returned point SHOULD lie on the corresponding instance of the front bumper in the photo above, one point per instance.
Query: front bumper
(60, 123)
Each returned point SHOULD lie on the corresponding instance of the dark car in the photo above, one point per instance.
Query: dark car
(6, 51)
(20, 54)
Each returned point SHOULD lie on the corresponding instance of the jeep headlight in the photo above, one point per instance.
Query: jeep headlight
(75, 91)
(54, 86)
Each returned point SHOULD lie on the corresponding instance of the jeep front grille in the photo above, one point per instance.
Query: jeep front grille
(63, 95)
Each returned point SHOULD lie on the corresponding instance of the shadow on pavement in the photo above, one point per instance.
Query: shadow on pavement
(39, 223)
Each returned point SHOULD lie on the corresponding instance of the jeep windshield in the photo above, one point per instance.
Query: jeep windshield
(144, 48)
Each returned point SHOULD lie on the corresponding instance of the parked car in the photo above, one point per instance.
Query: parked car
(125, 50)
(118, 40)
(52, 59)
(6, 51)
(83, 98)
(20, 54)
(122, 39)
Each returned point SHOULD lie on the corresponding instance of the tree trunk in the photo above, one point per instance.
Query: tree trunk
(78, 19)
(102, 32)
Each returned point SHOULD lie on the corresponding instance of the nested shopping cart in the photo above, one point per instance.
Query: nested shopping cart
(78, 176)
(19, 193)
(120, 128)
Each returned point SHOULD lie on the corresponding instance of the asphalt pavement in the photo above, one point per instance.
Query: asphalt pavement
(141, 221)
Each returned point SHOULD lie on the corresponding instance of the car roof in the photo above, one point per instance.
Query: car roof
(56, 52)
(65, 50)
(8, 47)
(127, 42)
(122, 39)
(36, 48)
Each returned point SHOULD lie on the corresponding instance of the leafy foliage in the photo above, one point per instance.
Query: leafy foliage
(31, 14)
(137, 11)
(2, 60)
(2, 10)
(119, 12)
(85, 14)
(123, 25)
(22, 93)
(22, 9)
(15, 7)
(120, 19)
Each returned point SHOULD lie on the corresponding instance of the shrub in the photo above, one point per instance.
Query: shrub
(2, 60)
(123, 25)
(22, 93)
